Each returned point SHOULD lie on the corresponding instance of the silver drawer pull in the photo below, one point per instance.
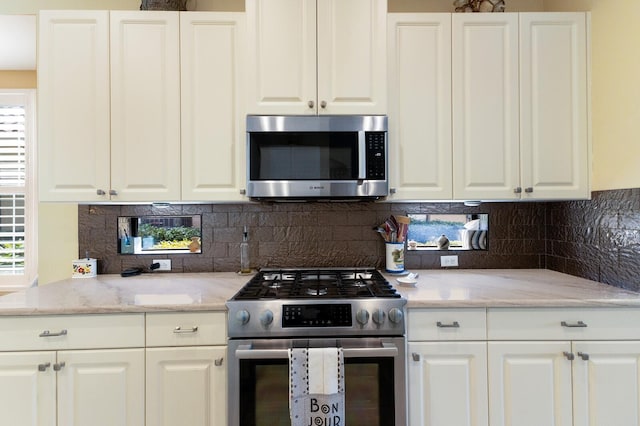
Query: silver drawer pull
(43, 367)
(58, 366)
(47, 333)
(218, 362)
(415, 356)
(454, 324)
(568, 355)
(584, 356)
(578, 324)
(179, 329)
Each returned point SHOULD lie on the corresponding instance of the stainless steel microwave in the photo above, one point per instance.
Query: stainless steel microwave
(338, 157)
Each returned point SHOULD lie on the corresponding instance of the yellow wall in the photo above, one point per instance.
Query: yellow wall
(17, 79)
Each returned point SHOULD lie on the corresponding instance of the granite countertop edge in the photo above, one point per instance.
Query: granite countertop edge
(193, 292)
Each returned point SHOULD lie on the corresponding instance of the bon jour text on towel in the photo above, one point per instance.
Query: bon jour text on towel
(316, 386)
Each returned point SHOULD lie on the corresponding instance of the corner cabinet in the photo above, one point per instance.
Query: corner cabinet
(113, 123)
(520, 106)
(317, 56)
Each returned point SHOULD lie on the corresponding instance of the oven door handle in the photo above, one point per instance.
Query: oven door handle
(386, 350)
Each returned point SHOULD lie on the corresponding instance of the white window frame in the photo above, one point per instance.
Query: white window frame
(26, 97)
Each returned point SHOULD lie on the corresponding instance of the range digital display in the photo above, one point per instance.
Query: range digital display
(320, 315)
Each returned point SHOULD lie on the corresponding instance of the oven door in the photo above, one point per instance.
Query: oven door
(374, 380)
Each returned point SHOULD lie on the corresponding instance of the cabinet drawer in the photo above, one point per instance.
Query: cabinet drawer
(563, 323)
(446, 324)
(186, 329)
(53, 332)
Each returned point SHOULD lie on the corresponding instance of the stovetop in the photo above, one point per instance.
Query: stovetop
(316, 302)
(328, 283)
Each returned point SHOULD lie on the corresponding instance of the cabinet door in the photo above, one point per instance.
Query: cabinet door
(73, 105)
(101, 387)
(553, 113)
(145, 106)
(212, 56)
(352, 73)
(448, 383)
(187, 386)
(485, 106)
(282, 56)
(606, 385)
(419, 49)
(529, 384)
(27, 389)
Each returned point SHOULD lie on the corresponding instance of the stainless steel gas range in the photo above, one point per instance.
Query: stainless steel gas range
(352, 308)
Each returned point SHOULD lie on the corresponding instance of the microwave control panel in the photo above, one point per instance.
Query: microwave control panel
(376, 155)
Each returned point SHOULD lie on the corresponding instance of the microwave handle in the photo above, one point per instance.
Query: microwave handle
(362, 155)
(385, 350)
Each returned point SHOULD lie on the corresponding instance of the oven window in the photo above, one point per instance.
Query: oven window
(304, 156)
(264, 392)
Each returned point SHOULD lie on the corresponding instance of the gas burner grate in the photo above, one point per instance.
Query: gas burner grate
(316, 283)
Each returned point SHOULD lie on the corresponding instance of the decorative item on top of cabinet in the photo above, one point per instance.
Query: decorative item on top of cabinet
(163, 5)
(479, 5)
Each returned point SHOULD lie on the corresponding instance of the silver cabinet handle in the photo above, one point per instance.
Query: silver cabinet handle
(100, 192)
(218, 362)
(58, 366)
(310, 104)
(392, 190)
(179, 329)
(569, 355)
(454, 324)
(47, 333)
(113, 192)
(517, 190)
(323, 104)
(43, 367)
(528, 190)
(578, 324)
(243, 191)
(584, 356)
(415, 356)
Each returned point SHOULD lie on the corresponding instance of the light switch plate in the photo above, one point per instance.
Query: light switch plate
(448, 261)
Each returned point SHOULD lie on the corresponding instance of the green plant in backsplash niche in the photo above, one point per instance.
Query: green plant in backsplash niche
(168, 238)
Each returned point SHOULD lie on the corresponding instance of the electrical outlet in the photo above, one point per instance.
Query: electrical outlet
(165, 264)
(448, 261)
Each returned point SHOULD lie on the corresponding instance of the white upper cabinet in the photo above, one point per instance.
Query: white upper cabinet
(145, 105)
(485, 106)
(317, 56)
(553, 110)
(212, 56)
(420, 106)
(73, 105)
(520, 106)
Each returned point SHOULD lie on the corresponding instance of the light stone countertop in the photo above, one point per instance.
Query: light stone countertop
(159, 292)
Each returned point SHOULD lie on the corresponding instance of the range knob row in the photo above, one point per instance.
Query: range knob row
(362, 316)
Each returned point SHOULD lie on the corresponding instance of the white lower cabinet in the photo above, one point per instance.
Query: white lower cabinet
(524, 366)
(447, 367)
(530, 383)
(186, 369)
(72, 370)
(101, 387)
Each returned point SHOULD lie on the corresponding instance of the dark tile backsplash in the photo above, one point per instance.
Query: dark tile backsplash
(597, 239)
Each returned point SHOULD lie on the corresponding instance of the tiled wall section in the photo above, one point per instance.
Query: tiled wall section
(597, 239)
(315, 234)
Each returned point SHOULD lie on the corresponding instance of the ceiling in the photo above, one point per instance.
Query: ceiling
(17, 42)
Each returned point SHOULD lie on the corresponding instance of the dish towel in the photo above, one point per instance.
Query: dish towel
(316, 386)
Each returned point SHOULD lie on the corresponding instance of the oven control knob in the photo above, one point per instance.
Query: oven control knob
(266, 318)
(378, 316)
(362, 316)
(243, 316)
(395, 315)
